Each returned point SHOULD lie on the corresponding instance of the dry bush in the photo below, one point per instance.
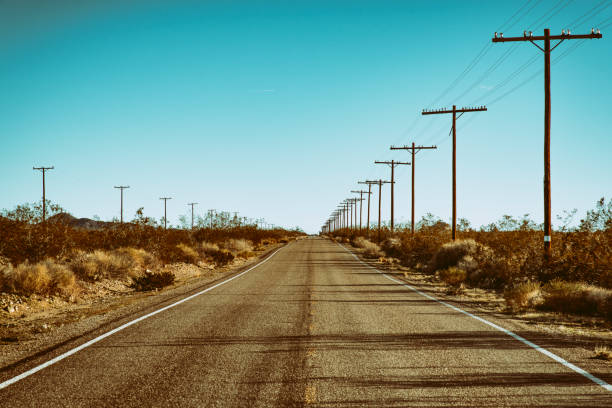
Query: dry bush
(153, 280)
(246, 254)
(451, 253)
(207, 246)
(603, 353)
(393, 247)
(42, 278)
(576, 298)
(238, 245)
(100, 265)
(212, 253)
(370, 249)
(523, 295)
(452, 276)
(143, 259)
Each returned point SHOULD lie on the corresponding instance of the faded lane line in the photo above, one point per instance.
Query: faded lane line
(542, 350)
(124, 326)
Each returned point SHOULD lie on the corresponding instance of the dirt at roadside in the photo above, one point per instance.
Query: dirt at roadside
(29, 324)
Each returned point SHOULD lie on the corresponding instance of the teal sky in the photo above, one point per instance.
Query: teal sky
(276, 109)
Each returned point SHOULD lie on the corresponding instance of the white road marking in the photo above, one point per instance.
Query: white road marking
(542, 350)
(124, 326)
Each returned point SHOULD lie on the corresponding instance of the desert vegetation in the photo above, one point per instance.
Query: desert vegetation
(56, 258)
(506, 256)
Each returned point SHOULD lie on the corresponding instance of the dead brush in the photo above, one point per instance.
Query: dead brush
(100, 265)
(576, 298)
(603, 353)
(370, 249)
(152, 281)
(238, 245)
(523, 295)
(42, 278)
(452, 276)
(451, 253)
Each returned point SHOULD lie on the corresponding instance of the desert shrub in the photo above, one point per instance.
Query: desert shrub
(603, 353)
(393, 247)
(577, 298)
(451, 253)
(246, 254)
(143, 259)
(238, 245)
(212, 253)
(371, 250)
(102, 265)
(42, 278)
(522, 295)
(452, 276)
(173, 253)
(153, 280)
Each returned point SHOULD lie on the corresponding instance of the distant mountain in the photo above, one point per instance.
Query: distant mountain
(84, 223)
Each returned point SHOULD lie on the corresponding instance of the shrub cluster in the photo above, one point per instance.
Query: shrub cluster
(507, 256)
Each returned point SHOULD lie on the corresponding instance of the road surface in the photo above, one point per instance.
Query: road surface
(311, 326)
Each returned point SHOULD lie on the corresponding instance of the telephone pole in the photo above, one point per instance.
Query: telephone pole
(122, 188)
(547, 50)
(192, 204)
(380, 184)
(369, 183)
(414, 149)
(44, 199)
(165, 213)
(361, 193)
(392, 164)
(454, 111)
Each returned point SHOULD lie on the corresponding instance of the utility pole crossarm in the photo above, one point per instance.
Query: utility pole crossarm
(455, 110)
(561, 37)
(405, 147)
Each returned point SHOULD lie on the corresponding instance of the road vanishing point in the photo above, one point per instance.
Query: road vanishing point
(310, 325)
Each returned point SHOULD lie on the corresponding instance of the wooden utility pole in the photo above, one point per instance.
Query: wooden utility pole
(361, 193)
(192, 204)
(44, 198)
(392, 164)
(454, 111)
(547, 50)
(369, 183)
(414, 149)
(165, 213)
(380, 184)
(122, 188)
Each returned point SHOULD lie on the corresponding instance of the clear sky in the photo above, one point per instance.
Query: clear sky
(276, 109)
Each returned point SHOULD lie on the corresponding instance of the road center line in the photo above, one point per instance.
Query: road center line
(542, 350)
(124, 326)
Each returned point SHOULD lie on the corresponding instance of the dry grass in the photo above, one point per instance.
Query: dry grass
(100, 265)
(523, 295)
(603, 353)
(452, 276)
(370, 249)
(576, 298)
(42, 278)
(238, 245)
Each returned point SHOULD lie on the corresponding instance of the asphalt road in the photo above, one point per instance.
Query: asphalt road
(312, 326)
